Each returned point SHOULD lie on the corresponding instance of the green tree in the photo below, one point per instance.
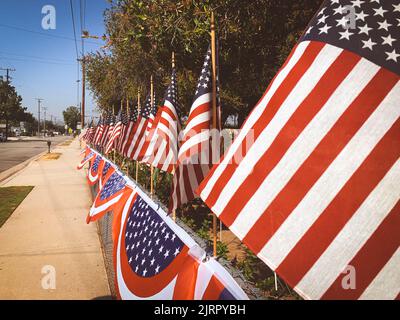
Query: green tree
(10, 105)
(72, 116)
(255, 37)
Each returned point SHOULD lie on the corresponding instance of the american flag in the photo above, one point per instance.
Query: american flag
(108, 127)
(106, 171)
(111, 195)
(140, 130)
(86, 135)
(194, 157)
(124, 127)
(99, 132)
(152, 115)
(110, 130)
(153, 259)
(317, 193)
(89, 155)
(115, 134)
(161, 148)
(96, 166)
(129, 132)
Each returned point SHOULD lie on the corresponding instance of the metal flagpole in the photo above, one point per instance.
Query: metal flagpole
(137, 162)
(214, 111)
(151, 166)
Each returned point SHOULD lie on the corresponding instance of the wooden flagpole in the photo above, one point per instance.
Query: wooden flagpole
(151, 167)
(214, 111)
(173, 172)
(127, 115)
(114, 127)
(137, 162)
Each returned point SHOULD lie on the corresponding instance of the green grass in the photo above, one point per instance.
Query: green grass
(10, 199)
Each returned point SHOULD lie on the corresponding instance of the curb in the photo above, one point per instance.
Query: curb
(12, 171)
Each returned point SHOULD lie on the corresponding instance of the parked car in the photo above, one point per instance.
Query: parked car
(3, 137)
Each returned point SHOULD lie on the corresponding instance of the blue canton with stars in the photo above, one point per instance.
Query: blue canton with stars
(369, 28)
(107, 166)
(149, 243)
(113, 185)
(95, 165)
(171, 93)
(148, 109)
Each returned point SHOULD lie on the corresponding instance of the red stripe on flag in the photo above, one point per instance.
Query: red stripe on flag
(214, 289)
(371, 259)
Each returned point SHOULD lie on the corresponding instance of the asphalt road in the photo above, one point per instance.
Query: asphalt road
(13, 153)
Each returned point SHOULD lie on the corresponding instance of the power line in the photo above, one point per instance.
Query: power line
(82, 16)
(43, 33)
(73, 26)
(34, 57)
(76, 43)
(35, 61)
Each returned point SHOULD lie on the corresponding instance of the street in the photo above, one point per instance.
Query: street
(13, 153)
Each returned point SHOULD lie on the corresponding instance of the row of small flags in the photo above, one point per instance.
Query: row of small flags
(311, 182)
(153, 257)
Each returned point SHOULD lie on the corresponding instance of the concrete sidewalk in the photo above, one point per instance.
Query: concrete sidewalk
(49, 230)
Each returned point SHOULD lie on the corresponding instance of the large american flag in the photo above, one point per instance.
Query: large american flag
(194, 157)
(115, 134)
(140, 130)
(317, 193)
(153, 259)
(161, 148)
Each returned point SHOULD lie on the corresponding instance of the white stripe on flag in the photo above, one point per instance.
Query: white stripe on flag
(353, 236)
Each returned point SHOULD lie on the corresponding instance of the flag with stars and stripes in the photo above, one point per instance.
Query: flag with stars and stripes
(161, 148)
(195, 153)
(108, 130)
(96, 167)
(152, 116)
(114, 134)
(139, 131)
(124, 128)
(316, 194)
(110, 195)
(154, 258)
(89, 154)
(106, 171)
(99, 132)
(130, 130)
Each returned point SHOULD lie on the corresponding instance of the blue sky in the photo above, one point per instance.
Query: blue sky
(45, 63)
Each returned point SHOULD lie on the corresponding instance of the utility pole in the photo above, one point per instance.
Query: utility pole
(44, 122)
(83, 61)
(39, 100)
(8, 70)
